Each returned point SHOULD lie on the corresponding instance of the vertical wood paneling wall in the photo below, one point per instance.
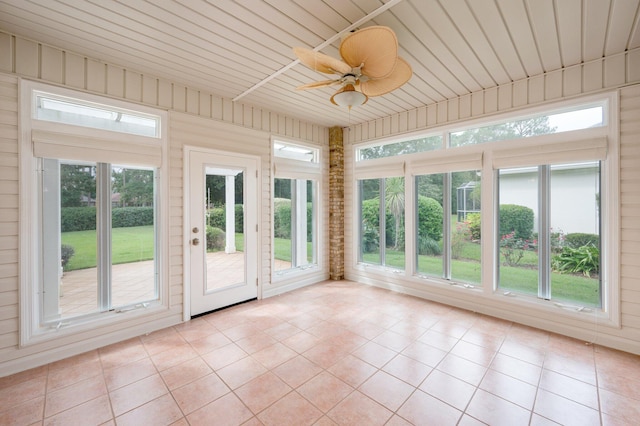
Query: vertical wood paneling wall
(195, 118)
(621, 72)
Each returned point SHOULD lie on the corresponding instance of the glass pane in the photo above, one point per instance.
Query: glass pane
(78, 286)
(394, 222)
(465, 227)
(225, 240)
(575, 233)
(86, 114)
(517, 239)
(283, 248)
(311, 214)
(293, 223)
(370, 221)
(428, 143)
(583, 118)
(133, 277)
(430, 225)
(295, 152)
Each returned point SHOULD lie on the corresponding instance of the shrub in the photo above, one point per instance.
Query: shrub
(516, 219)
(579, 239)
(216, 238)
(459, 238)
(66, 253)
(473, 221)
(216, 217)
(513, 248)
(583, 260)
(282, 218)
(430, 215)
(428, 246)
(77, 219)
(125, 217)
(370, 238)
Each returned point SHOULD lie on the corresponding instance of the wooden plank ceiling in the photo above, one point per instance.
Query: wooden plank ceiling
(241, 49)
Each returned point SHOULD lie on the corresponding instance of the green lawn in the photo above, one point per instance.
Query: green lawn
(128, 245)
(136, 243)
(522, 278)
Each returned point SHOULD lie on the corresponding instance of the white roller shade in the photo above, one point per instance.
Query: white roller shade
(294, 169)
(128, 151)
(552, 153)
(446, 161)
(383, 168)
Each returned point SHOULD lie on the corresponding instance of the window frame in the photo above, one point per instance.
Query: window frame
(36, 133)
(285, 167)
(450, 159)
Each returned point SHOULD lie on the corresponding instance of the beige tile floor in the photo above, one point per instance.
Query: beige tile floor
(334, 353)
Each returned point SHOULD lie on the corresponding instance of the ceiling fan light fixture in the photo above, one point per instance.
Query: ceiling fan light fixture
(348, 96)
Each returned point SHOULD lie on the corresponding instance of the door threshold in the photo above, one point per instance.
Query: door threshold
(223, 308)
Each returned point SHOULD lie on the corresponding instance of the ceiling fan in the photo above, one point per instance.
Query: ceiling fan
(370, 66)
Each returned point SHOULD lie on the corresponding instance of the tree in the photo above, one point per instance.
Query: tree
(401, 148)
(77, 185)
(503, 131)
(394, 199)
(134, 185)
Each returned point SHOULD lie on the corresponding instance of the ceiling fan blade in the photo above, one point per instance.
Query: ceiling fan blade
(400, 75)
(321, 62)
(375, 48)
(318, 84)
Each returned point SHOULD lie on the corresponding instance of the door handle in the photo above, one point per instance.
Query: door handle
(195, 241)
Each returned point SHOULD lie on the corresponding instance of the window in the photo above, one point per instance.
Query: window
(381, 207)
(98, 226)
(524, 207)
(92, 192)
(448, 226)
(392, 149)
(295, 208)
(549, 232)
(581, 117)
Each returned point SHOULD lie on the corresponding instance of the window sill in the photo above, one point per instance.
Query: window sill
(78, 325)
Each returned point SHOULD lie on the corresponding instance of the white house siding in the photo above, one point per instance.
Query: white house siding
(570, 190)
(195, 118)
(619, 72)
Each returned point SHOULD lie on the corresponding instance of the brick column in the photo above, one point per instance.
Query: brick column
(336, 204)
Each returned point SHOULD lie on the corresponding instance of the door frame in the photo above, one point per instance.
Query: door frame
(186, 214)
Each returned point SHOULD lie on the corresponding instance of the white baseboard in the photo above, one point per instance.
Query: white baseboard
(27, 362)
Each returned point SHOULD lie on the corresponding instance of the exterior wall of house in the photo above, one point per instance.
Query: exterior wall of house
(196, 118)
(619, 72)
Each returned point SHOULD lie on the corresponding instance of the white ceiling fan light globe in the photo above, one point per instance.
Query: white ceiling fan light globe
(348, 96)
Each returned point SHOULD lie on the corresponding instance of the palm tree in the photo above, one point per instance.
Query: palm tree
(394, 198)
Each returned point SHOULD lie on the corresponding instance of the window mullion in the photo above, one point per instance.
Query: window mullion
(383, 223)
(544, 229)
(103, 229)
(446, 225)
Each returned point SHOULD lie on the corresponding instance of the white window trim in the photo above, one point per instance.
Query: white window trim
(419, 163)
(30, 331)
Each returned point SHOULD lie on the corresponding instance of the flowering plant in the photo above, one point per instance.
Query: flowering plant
(512, 248)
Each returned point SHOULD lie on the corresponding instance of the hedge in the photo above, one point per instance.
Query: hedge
(578, 239)
(84, 218)
(282, 218)
(518, 219)
(216, 218)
